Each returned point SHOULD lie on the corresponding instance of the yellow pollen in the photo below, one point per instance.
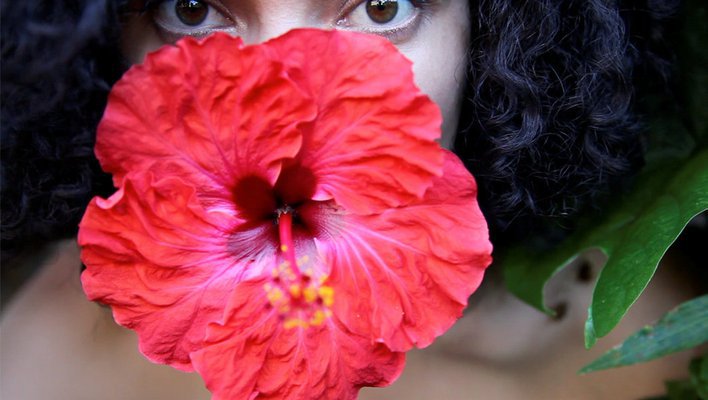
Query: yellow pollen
(295, 323)
(284, 248)
(326, 293)
(273, 294)
(310, 294)
(295, 290)
(318, 318)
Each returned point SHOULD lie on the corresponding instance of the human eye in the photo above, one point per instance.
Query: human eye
(394, 19)
(177, 18)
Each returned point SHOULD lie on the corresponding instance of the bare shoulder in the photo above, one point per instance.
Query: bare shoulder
(56, 344)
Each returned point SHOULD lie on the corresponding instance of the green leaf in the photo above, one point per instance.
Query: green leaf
(634, 235)
(699, 376)
(681, 390)
(635, 251)
(680, 329)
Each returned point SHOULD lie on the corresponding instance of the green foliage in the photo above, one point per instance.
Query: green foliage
(695, 388)
(699, 376)
(634, 236)
(681, 390)
(662, 208)
(682, 328)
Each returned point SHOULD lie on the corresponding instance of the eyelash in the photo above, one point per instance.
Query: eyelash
(396, 34)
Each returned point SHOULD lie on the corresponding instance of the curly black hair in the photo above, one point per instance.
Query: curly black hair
(547, 124)
(549, 127)
(59, 60)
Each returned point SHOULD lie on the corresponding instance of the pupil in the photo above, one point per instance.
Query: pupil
(191, 12)
(382, 11)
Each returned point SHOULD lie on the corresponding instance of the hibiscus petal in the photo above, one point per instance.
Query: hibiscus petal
(406, 274)
(372, 144)
(209, 116)
(154, 256)
(252, 355)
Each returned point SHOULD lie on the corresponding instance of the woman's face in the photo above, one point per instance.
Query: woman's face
(431, 33)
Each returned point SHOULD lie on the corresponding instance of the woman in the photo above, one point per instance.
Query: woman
(535, 98)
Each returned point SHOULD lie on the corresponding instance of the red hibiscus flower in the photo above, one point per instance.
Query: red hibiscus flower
(285, 223)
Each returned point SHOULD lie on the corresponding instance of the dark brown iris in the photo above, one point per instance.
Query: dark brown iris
(191, 12)
(382, 11)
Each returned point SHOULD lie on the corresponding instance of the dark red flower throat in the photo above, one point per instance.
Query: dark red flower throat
(256, 199)
(297, 289)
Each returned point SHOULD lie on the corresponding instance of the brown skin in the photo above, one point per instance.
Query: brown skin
(57, 345)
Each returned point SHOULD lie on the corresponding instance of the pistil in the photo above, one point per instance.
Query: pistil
(295, 292)
(285, 233)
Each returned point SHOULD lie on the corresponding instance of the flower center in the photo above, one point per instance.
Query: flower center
(301, 298)
(258, 200)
